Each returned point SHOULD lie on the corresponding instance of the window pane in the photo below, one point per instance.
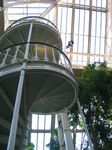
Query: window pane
(41, 122)
(86, 22)
(69, 18)
(98, 24)
(93, 29)
(103, 25)
(47, 140)
(76, 25)
(81, 29)
(34, 139)
(34, 121)
(85, 46)
(48, 122)
(40, 141)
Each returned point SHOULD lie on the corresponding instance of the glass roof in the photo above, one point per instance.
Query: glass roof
(82, 21)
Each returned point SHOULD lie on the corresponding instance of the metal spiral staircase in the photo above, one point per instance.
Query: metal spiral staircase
(35, 75)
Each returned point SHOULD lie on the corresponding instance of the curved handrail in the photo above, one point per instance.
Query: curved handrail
(18, 44)
(33, 18)
(56, 55)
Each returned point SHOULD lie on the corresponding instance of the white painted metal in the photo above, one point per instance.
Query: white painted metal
(67, 132)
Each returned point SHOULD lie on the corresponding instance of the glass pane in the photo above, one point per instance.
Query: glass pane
(103, 25)
(92, 45)
(41, 121)
(34, 139)
(64, 19)
(93, 29)
(47, 140)
(34, 121)
(85, 44)
(75, 46)
(80, 44)
(99, 3)
(76, 24)
(48, 122)
(87, 2)
(69, 20)
(40, 141)
(102, 46)
(97, 45)
(104, 3)
(98, 24)
(59, 18)
(86, 26)
(94, 3)
(77, 1)
(81, 27)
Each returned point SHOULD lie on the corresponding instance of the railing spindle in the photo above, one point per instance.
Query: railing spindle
(36, 53)
(3, 63)
(14, 60)
(54, 59)
(45, 53)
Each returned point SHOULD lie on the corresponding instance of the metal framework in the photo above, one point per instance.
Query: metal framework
(87, 22)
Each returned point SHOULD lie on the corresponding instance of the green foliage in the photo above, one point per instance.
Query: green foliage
(30, 146)
(95, 95)
(54, 141)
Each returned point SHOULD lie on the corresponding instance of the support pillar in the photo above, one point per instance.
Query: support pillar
(67, 132)
(13, 130)
(60, 133)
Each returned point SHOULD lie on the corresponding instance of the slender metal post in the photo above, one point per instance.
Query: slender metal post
(67, 132)
(60, 133)
(3, 63)
(45, 53)
(36, 53)
(54, 59)
(85, 126)
(28, 44)
(13, 130)
(15, 55)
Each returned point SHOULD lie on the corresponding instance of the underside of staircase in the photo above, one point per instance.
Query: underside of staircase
(31, 56)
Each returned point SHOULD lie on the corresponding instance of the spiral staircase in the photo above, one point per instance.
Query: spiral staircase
(35, 75)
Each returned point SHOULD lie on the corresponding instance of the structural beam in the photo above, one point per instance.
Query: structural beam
(67, 132)
(60, 133)
(50, 8)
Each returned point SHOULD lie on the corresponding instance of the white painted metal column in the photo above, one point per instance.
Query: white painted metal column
(13, 130)
(60, 133)
(67, 132)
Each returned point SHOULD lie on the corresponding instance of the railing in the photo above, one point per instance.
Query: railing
(38, 52)
(33, 18)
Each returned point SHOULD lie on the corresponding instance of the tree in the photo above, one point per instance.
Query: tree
(95, 95)
(54, 141)
(30, 146)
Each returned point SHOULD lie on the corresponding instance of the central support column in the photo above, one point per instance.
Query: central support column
(67, 133)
